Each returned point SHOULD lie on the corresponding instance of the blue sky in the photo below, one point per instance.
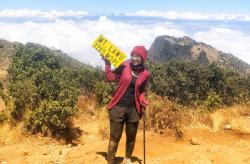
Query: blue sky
(225, 6)
(72, 25)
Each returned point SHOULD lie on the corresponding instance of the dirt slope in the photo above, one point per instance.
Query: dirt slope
(226, 146)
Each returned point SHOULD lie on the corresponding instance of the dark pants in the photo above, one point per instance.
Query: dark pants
(116, 128)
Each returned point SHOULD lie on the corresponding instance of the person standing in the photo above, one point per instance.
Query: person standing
(128, 102)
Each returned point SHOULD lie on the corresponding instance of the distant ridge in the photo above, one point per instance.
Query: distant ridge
(165, 48)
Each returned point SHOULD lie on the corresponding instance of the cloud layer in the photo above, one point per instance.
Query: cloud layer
(37, 14)
(189, 15)
(74, 31)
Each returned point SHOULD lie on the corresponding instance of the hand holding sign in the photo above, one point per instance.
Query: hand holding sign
(105, 60)
(109, 51)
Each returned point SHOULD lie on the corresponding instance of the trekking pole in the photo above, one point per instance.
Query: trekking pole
(144, 136)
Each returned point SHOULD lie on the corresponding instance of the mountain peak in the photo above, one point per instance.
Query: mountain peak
(174, 40)
(165, 48)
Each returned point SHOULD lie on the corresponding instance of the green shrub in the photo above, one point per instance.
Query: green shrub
(188, 83)
(213, 101)
(1, 85)
(43, 92)
(51, 118)
(2, 117)
(24, 93)
(104, 91)
(2, 93)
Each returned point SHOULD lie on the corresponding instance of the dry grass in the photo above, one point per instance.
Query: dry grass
(237, 116)
(197, 118)
(241, 125)
(87, 105)
(10, 135)
(2, 105)
(103, 123)
(165, 117)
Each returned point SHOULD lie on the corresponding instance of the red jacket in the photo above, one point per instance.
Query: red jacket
(124, 80)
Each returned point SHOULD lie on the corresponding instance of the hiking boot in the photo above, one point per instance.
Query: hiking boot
(111, 161)
(127, 161)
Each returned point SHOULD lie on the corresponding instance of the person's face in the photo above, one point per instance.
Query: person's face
(136, 59)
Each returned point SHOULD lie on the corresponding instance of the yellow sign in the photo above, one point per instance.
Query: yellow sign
(108, 50)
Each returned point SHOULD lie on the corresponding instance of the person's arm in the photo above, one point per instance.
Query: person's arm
(144, 89)
(112, 75)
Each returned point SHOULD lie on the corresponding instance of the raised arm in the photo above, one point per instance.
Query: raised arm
(112, 75)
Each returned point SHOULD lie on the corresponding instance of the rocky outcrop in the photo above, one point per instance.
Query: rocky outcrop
(165, 48)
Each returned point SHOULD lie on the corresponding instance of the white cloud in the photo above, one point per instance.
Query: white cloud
(171, 15)
(76, 36)
(37, 14)
(227, 40)
(189, 15)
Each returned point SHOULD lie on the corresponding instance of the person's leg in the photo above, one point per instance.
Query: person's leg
(115, 136)
(131, 130)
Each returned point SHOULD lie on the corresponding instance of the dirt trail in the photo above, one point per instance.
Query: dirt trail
(212, 147)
